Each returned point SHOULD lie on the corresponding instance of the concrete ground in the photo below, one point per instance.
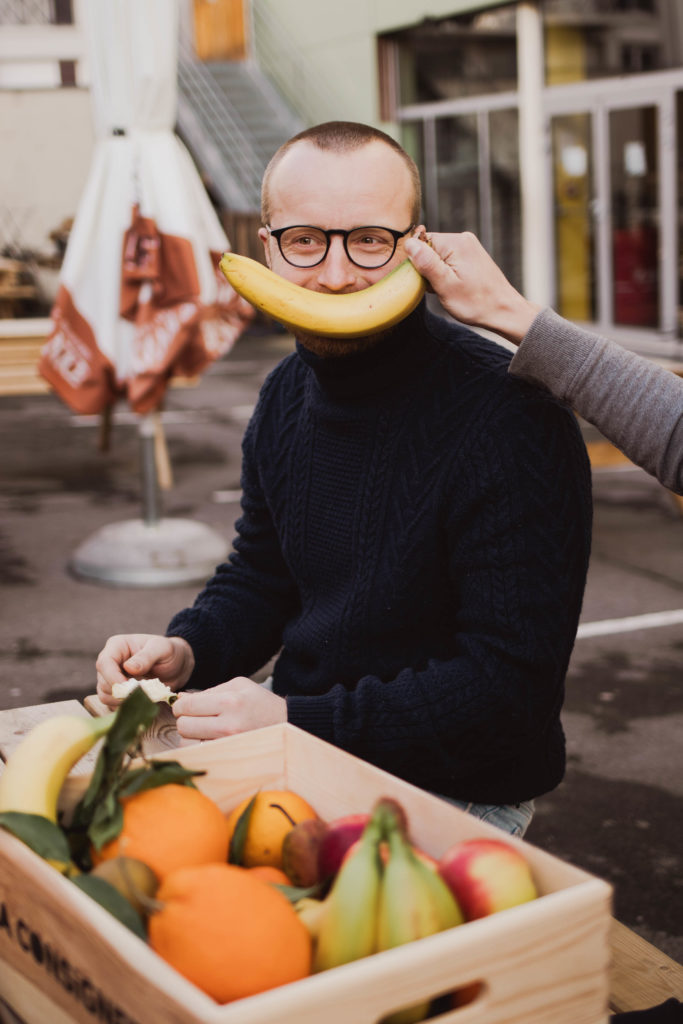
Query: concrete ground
(619, 812)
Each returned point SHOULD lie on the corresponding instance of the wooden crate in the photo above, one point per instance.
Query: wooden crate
(546, 960)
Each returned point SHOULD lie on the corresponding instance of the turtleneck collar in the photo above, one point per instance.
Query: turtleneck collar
(385, 367)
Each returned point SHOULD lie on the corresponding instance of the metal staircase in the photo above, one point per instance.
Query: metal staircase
(232, 119)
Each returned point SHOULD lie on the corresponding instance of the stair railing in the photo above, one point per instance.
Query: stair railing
(227, 150)
(281, 59)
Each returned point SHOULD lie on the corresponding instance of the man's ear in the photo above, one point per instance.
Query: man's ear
(264, 236)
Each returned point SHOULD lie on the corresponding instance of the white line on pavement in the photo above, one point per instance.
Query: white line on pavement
(630, 623)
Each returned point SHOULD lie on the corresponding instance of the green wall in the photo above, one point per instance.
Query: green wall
(335, 46)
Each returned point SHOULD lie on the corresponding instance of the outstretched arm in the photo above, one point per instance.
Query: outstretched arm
(635, 403)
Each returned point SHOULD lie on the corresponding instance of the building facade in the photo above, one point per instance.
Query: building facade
(553, 129)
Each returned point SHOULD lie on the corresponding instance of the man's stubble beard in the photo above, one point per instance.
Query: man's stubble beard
(330, 348)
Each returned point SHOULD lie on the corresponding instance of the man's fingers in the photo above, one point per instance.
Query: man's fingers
(191, 727)
(153, 653)
(428, 262)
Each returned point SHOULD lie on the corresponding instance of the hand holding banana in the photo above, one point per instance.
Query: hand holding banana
(351, 315)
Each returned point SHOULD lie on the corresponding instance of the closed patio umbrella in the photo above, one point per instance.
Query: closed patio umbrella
(140, 296)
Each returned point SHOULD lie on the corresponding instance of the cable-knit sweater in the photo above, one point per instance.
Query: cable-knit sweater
(414, 541)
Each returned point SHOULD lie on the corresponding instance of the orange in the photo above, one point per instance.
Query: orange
(169, 827)
(270, 874)
(229, 932)
(275, 812)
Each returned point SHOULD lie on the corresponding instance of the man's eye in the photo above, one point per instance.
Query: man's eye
(305, 241)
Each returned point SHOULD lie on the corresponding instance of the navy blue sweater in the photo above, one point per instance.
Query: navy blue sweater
(414, 541)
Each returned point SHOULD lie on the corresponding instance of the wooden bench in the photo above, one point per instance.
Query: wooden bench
(20, 345)
(641, 975)
(21, 342)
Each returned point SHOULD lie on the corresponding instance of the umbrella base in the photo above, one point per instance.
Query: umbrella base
(134, 553)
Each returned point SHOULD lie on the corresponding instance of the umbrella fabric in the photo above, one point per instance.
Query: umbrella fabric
(140, 298)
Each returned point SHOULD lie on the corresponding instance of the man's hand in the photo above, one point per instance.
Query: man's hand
(470, 286)
(236, 706)
(141, 656)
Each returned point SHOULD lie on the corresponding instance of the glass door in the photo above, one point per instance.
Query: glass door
(635, 209)
(572, 155)
(617, 206)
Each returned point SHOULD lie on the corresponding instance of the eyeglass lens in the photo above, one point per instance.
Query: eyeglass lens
(367, 247)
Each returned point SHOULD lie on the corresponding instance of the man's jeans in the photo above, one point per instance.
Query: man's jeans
(511, 818)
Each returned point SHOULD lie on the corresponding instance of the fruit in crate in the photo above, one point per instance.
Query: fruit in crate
(340, 835)
(300, 852)
(37, 769)
(132, 878)
(228, 931)
(270, 874)
(268, 819)
(169, 827)
(344, 926)
(487, 875)
(414, 901)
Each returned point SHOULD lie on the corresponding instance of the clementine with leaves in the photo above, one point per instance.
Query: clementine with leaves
(169, 827)
(274, 813)
(228, 931)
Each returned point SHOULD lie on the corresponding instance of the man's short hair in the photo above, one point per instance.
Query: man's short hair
(342, 137)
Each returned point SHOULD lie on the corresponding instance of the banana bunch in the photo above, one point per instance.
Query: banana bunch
(344, 925)
(351, 315)
(36, 770)
(374, 906)
(414, 902)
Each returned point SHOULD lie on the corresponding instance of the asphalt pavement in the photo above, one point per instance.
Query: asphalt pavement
(619, 811)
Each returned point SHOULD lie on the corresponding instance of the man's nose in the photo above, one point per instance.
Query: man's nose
(337, 272)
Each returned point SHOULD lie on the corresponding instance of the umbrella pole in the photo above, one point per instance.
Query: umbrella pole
(151, 502)
(149, 551)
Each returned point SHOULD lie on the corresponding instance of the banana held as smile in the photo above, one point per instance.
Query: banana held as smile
(351, 315)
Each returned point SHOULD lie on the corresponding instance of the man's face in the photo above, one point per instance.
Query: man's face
(366, 186)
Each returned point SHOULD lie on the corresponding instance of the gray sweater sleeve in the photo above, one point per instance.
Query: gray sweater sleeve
(637, 405)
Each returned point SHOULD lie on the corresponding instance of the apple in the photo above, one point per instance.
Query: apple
(486, 875)
(339, 836)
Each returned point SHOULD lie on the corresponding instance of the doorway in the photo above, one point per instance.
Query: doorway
(617, 194)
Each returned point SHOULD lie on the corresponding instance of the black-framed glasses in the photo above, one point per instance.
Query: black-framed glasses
(369, 247)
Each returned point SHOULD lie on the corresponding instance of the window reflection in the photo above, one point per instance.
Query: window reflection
(635, 216)
(475, 54)
(574, 235)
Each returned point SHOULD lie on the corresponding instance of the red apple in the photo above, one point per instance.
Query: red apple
(486, 875)
(340, 835)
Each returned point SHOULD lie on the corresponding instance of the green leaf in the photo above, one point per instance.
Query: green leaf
(42, 835)
(112, 900)
(98, 810)
(294, 893)
(135, 714)
(239, 836)
(107, 821)
(157, 773)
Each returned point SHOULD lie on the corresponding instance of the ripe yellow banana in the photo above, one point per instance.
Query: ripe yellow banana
(350, 315)
(414, 902)
(35, 771)
(346, 928)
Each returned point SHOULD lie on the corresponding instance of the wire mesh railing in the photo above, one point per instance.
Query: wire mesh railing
(236, 161)
(280, 58)
(27, 12)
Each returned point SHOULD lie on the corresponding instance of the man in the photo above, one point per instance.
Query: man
(415, 524)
